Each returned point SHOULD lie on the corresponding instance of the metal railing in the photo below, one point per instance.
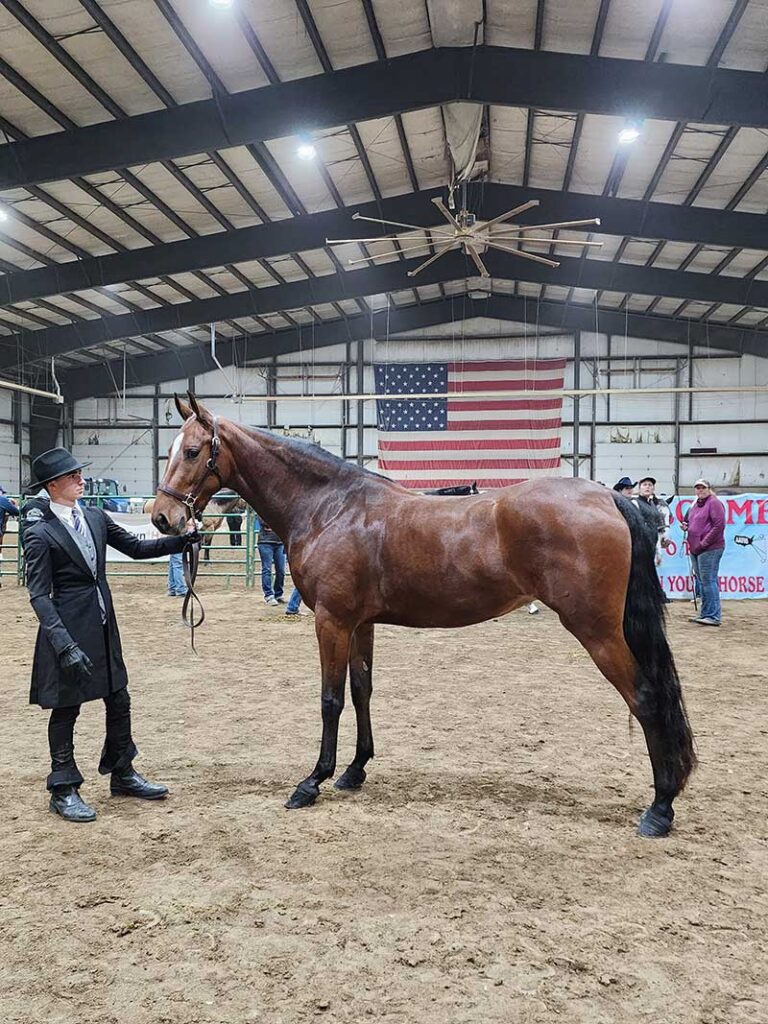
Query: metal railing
(227, 561)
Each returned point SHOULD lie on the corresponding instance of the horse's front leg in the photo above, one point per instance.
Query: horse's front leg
(361, 685)
(333, 638)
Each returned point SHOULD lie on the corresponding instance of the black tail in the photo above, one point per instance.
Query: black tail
(660, 706)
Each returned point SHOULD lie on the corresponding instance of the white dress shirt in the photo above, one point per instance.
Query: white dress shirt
(64, 513)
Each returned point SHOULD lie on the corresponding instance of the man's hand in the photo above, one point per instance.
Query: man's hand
(193, 532)
(76, 664)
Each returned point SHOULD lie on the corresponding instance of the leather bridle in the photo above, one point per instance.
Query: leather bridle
(191, 553)
(190, 498)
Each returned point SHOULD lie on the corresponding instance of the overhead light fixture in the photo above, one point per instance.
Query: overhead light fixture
(629, 134)
(306, 151)
(221, 3)
(3, 214)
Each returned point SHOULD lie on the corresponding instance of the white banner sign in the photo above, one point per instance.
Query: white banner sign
(744, 566)
(141, 527)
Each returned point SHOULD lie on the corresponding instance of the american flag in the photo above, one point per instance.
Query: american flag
(497, 441)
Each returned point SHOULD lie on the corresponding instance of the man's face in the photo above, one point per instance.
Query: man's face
(701, 491)
(627, 491)
(65, 490)
(646, 488)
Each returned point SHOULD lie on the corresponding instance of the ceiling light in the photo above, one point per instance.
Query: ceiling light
(306, 151)
(3, 215)
(220, 3)
(629, 134)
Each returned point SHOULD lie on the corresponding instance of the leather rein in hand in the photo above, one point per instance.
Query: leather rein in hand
(190, 556)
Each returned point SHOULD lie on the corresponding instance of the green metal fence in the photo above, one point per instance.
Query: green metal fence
(10, 555)
(228, 562)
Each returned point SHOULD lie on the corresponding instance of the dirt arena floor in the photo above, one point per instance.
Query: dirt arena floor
(487, 872)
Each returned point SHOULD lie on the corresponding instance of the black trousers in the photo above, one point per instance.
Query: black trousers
(118, 751)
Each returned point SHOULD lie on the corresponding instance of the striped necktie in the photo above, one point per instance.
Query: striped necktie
(77, 520)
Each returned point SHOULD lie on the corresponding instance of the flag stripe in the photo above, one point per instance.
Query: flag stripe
(504, 404)
(472, 464)
(471, 444)
(506, 384)
(503, 365)
(421, 484)
(392, 438)
(505, 425)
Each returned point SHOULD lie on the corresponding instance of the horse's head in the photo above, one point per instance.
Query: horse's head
(194, 470)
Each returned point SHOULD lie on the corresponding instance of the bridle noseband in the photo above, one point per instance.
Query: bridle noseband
(190, 498)
(191, 553)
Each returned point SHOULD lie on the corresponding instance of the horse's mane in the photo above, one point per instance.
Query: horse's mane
(310, 458)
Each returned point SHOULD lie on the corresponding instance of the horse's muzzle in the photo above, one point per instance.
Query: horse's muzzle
(163, 524)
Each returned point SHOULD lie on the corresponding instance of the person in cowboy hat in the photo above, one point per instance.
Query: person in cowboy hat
(78, 657)
(625, 486)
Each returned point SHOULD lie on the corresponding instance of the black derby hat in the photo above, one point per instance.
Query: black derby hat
(53, 464)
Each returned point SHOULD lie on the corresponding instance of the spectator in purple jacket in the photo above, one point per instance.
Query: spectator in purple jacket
(706, 539)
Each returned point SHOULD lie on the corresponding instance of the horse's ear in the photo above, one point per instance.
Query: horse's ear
(203, 416)
(184, 410)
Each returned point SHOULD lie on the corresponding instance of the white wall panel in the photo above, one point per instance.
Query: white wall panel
(635, 362)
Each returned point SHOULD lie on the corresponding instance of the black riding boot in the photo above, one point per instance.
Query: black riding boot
(65, 777)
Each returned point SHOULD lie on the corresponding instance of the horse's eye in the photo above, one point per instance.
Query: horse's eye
(191, 453)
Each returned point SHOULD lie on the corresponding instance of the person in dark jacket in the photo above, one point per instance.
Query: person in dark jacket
(706, 540)
(78, 656)
(7, 508)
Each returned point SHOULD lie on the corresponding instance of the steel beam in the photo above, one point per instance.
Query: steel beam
(600, 275)
(487, 74)
(166, 366)
(620, 217)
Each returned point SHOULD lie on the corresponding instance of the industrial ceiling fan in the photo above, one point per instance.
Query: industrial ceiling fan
(473, 237)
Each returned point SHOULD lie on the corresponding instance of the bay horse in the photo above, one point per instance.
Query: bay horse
(365, 550)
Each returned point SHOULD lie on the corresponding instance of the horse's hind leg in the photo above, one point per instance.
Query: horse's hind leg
(334, 639)
(360, 677)
(615, 660)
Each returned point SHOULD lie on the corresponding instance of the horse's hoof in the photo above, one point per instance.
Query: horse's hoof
(353, 778)
(303, 796)
(653, 825)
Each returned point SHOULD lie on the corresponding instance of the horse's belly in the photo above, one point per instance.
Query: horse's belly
(446, 618)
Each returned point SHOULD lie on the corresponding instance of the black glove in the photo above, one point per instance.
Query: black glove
(75, 664)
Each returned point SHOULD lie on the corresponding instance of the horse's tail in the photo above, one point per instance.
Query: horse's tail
(659, 698)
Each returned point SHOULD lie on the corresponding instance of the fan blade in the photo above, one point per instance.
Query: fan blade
(431, 260)
(361, 241)
(397, 224)
(382, 255)
(477, 261)
(525, 255)
(560, 224)
(542, 241)
(511, 213)
(446, 212)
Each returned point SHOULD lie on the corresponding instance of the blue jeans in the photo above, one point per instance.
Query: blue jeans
(176, 584)
(706, 566)
(293, 602)
(272, 554)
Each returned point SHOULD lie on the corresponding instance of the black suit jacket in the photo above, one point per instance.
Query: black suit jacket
(62, 592)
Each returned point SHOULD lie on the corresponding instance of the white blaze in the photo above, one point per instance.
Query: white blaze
(176, 447)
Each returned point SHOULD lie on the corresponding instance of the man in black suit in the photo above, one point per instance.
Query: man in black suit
(78, 656)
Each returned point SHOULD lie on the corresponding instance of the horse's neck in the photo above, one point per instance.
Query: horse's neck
(282, 484)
